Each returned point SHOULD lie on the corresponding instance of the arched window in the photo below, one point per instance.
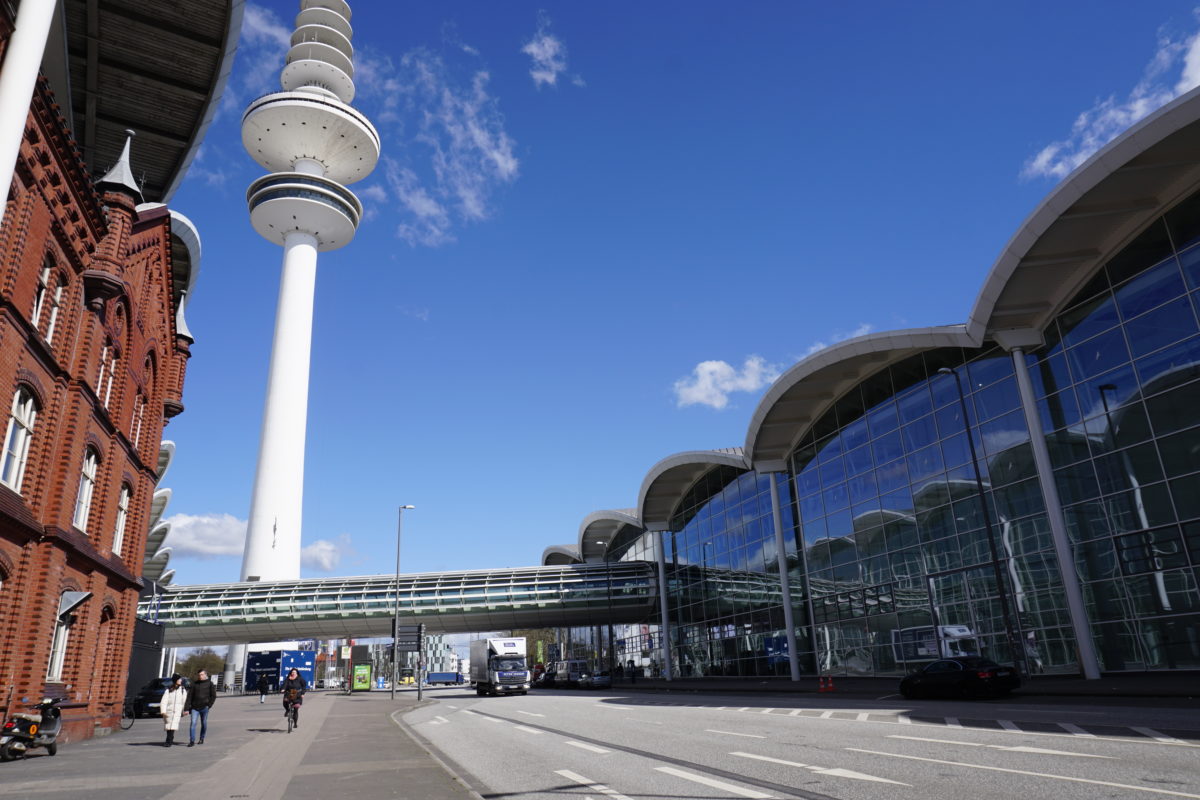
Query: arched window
(46, 300)
(108, 369)
(67, 603)
(87, 486)
(138, 415)
(17, 438)
(122, 516)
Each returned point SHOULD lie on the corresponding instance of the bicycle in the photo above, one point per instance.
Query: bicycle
(128, 715)
(293, 716)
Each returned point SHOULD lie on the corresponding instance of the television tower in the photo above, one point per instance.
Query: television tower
(313, 143)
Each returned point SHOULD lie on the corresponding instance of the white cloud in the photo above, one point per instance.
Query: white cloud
(838, 336)
(324, 555)
(711, 382)
(1108, 118)
(260, 25)
(206, 536)
(548, 52)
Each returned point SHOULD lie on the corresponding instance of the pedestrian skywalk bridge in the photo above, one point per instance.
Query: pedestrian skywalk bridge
(446, 602)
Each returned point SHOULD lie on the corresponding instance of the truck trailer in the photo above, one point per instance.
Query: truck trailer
(498, 666)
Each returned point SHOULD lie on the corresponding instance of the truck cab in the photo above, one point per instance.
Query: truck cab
(498, 666)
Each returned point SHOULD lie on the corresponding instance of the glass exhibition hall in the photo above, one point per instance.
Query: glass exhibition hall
(1080, 378)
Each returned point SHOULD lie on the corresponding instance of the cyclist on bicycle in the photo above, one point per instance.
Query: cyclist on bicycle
(293, 690)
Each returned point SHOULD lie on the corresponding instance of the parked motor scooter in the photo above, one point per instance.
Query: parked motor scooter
(23, 732)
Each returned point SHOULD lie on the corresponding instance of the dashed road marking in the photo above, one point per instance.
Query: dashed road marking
(588, 782)
(1028, 772)
(586, 746)
(731, 733)
(826, 715)
(1007, 724)
(715, 784)
(529, 713)
(1012, 749)
(528, 730)
(1075, 729)
(795, 712)
(860, 717)
(952, 722)
(836, 772)
(1156, 736)
(767, 710)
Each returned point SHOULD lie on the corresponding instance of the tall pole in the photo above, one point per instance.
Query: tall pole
(1001, 590)
(22, 60)
(396, 613)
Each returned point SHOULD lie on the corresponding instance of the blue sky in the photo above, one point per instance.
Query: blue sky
(599, 231)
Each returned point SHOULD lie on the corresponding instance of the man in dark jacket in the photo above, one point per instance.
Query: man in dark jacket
(264, 687)
(200, 700)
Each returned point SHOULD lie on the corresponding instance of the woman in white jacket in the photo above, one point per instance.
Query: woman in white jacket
(171, 708)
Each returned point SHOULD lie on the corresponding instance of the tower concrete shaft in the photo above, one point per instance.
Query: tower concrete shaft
(313, 142)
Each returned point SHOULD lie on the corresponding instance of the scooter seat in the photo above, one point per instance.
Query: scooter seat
(30, 717)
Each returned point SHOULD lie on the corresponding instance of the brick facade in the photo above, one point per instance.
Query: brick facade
(116, 306)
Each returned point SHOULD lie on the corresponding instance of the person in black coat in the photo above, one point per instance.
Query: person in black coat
(293, 690)
(264, 687)
(202, 696)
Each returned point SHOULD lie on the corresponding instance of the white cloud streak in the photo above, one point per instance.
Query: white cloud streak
(206, 536)
(549, 55)
(1108, 118)
(711, 382)
(838, 336)
(324, 555)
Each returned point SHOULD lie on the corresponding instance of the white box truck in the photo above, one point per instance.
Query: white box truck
(498, 666)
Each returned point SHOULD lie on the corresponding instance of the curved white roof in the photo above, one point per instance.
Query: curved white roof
(669, 480)
(599, 528)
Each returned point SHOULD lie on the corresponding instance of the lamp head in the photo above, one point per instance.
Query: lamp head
(946, 371)
(407, 506)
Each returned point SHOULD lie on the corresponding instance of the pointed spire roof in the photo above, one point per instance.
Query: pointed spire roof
(121, 176)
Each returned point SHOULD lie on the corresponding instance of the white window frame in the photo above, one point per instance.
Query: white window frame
(39, 298)
(87, 488)
(55, 302)
(122, 516)
(15, 455)
(137, 422)
(108, 367)
(58, 648)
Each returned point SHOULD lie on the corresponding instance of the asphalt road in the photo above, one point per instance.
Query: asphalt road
(612, 746)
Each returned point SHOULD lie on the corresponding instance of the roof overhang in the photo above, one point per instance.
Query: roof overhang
(155, 66)
(600, 528)
(560, 555)
(670, 479)
(1089, 217)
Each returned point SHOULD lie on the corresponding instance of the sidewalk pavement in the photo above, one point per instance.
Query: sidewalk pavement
(345, 746)
(1146, 684)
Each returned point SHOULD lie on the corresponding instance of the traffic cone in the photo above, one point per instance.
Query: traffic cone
(829, 687)
(821, 683)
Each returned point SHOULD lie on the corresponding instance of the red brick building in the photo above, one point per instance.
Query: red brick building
(93, 347)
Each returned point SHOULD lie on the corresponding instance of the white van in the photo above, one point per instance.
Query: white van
(568, 673)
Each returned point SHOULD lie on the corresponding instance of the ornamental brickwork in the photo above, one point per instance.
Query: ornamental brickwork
(88, 330)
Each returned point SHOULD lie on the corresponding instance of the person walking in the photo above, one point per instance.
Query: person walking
(293, 690)
(264, 687)
(174, 700)
(200, 700)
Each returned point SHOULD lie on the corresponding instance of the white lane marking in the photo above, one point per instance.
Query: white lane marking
(588, 782)
(861, 717)
(1017, 749)
(492, 719)
(529, 713)
(952, 722)
(757, 757)
(469, 711)
(1075, 729)
(528, 730)
(826, 715)
(795, 712)
(767, 710)
(1027, 772)
(887, 697)
(454, 707)
(647, 721)
(725, 787)
(441, 720)
(744, 708)
(586, 746)
(1156, 736)
(904, 719)
(731, 733)
(836, 772)
(1007, 724)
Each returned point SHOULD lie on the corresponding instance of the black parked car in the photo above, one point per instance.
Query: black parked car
(146, 701)
(545, 680)
(966, 676)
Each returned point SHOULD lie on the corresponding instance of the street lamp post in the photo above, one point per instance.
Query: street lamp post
(987, 522)
(396, 614)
